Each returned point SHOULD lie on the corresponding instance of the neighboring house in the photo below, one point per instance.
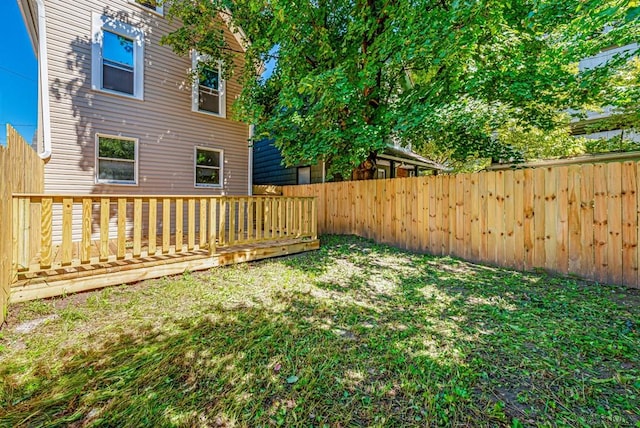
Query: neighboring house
(588, 127)
(119, 112)
(393, 162)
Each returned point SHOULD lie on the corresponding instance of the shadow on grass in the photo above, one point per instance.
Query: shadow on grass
(236, 367)
(372, 336)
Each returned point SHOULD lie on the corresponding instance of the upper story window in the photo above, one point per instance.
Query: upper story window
(151, 5)
(116, 160)
(117, 57)
(208, 88)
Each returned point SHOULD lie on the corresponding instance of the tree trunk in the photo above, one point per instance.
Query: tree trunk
(367, 169)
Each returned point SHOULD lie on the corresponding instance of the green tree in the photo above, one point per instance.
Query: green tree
(352, 76)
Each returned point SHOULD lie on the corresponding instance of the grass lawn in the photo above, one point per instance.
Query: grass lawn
(355, 334)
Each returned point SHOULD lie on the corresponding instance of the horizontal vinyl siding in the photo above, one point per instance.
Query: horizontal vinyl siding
(166, 128)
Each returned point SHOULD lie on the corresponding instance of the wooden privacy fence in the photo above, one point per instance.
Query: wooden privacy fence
(148, 226)
(21, 170)
(578, 219)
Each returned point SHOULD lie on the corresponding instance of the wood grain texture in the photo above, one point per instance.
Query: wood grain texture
(629, 225)
(587, 263)
(561, 264)
(122, 218)
(579, 219)
(574, 176)
(518, 221)
(614, 223)
(509, 250)
(600, 221)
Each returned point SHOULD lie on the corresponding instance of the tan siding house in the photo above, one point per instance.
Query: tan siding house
(111, 83)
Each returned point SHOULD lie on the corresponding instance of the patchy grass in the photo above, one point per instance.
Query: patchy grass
(355, 334)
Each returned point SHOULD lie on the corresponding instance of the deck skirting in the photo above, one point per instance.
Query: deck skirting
(84, 278)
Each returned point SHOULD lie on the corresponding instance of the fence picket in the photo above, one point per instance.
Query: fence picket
(561, 264)
(509, 219)
(629, 225)
(574, 220)
(614, 223)
(587, 263)
(600, 221)
(518, 219)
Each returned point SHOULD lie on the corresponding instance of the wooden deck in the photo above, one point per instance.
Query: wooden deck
(65, 244)
(65, 280)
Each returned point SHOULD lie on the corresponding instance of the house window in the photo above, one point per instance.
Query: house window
(151, 5)
(208, 167)
(117, 57)
(382, 173)
(208, 88)
(116, 160)
(304, 175)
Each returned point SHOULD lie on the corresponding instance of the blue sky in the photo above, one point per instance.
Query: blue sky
(18, 74)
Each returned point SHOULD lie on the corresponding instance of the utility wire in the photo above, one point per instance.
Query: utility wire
(15, 73)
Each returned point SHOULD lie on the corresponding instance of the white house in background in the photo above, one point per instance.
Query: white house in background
(118, 112)
(580, 127)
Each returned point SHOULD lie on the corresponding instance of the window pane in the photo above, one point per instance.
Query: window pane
(208, 101)
(116, 148)
(117, 79)
(117, 63)
(207, 176)
(304, 175)
(207, 158)
(117, 49)
(149, 4)
(209, 77)
(116, 170)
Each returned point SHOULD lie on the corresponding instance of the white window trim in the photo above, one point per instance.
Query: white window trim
(159, 10)
(100, 23)
(135, 160)
(195, 166)
(195, 92)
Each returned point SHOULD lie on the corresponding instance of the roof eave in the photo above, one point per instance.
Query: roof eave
(412, 158)
(30, 19)
(236, 31)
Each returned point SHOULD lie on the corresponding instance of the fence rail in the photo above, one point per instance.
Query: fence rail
(78, 230)
(577, 219)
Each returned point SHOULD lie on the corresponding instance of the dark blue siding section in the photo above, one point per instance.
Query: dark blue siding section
(267, 166)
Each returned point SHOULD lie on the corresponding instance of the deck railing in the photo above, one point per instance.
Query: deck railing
(77, 230)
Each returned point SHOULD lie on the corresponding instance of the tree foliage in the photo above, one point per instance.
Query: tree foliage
(354, 75)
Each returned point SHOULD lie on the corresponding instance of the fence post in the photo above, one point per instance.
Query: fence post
(6, 229)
